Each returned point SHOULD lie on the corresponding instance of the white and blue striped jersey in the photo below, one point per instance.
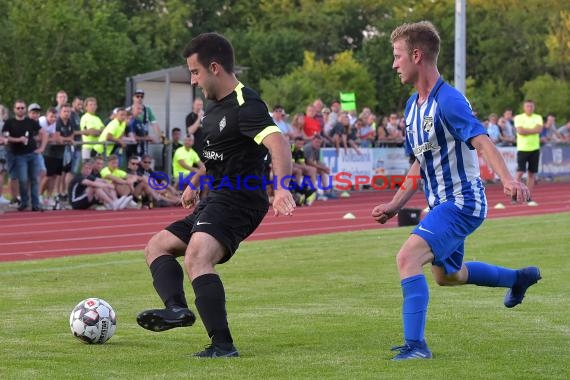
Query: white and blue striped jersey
(438, 134)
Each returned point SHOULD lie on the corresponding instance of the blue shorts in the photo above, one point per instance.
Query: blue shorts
(445, 229)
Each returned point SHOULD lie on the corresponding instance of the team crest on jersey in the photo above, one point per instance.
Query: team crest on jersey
(427, 123)
(222, 123)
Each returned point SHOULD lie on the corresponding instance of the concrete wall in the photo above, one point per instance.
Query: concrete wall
(180, 102)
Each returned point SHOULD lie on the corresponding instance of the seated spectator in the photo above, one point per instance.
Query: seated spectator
(311, 126)
(340, 134)
(141, 188)
(297, 125)
(365, 132)
(168, 196)
(389, 133)
(308, 193)
(312, 151)
(332, 117)
(117, 177)
(186, 161)
(98, 165)
(279, 119)
(85, 190)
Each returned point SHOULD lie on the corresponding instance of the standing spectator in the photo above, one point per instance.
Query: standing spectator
(137, 131)
(65, 137)
(3, 156)
(34, 113)
(509, 120)
(91, 127)
(528, 125)
(19, 132)
(176, 138)
(147, 116)
(76, 113)
(442, 144)
(564, 133)
(60, 100)
(175, 143)
(194, 125)
(507, 136)
(549, 132)
(493, 129)
(113, 133)
(48, 179)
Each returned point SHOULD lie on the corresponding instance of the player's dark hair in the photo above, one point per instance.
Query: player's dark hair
(176, 130)
(212, 47)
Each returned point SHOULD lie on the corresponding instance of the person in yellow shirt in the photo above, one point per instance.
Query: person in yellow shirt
(127, 184)
(113, 132)
(186, 160)
(119, 178)
(91, 127)
(529, 126)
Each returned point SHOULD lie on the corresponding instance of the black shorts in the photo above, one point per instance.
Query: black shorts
(83, 203)
(532, 158)
(54, 166)
(228, 224)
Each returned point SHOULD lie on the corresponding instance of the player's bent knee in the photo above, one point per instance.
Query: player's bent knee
(156, 246)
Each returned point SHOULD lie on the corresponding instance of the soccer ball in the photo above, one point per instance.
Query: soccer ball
(93, 321)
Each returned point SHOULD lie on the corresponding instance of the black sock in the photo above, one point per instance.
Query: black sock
(168, 280)
(211, 304)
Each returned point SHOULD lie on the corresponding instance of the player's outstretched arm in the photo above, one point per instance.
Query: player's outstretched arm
(283, 202)
(512, 188)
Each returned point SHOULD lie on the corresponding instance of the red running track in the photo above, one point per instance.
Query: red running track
(27, 235)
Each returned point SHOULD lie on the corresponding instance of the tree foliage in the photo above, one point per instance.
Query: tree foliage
(294, 50)
(317, 79)
(550, 95)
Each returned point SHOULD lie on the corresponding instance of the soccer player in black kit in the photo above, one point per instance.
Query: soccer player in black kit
(238, 133)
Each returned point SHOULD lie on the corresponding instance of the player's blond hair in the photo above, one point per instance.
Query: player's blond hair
(420, 35)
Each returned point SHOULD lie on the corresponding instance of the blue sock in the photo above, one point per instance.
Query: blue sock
(484, 274)
(414, 310)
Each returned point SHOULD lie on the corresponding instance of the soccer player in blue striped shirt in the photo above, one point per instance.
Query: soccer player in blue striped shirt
(442, 137)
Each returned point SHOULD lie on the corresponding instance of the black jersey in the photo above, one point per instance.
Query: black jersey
(76, 187)
(297, 155)
(233, 153)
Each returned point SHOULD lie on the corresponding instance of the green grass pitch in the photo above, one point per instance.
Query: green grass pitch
(321, 307)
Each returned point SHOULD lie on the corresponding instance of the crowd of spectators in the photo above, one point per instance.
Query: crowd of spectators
(69, 156)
